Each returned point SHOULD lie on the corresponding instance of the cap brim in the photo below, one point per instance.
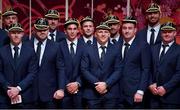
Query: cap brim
(168, 28)
(130, 21)
(66, 24)
(86, 20)
(113, 21)
(52, 16)
(150, 10)
(41, 27)
(16, 29)
(103, 27)
(9, 13)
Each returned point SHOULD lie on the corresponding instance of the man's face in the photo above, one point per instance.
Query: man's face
(114, 28)
(71, 31)
(168, 36)
(53, 23)
(153, 17)
(128, 30)
(88, 28)
(11, 19)
(42, 34)
(15, 37)
(102, 36)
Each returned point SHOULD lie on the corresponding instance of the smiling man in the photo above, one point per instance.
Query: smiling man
(101, 68)
(165, 83)
(53, 18)
(18, 69)
(151, 33)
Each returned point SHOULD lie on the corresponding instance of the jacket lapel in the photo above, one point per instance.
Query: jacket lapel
(45, 54)
(96, 53)
(21, 57)
(10, 57)
(169, 51)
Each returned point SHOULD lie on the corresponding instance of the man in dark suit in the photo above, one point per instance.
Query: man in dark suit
(151, 33)
(9, 17)
(18, 69)
(101, 68)
(165, 83)
(71, 50)
(114, 23)
(54, 34)
(137, 63)
(51, 66)
(87, 27)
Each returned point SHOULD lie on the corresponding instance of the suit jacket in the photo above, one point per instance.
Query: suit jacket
(72, 65)
(136, 69)
(51, 67)
(94, 71)
(166, 72)
(3, 37)
(22, 75)
(60, 36)
(143, 35)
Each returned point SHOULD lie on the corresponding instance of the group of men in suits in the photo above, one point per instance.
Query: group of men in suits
(112, 65)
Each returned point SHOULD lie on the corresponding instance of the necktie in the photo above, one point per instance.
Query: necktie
(152, 37)
(163, 51)
(126, 49)
(114, 41)
(15, 54)
(89, 42)
(52, 36)
(72, 49)
(102, 53)
(38, 51)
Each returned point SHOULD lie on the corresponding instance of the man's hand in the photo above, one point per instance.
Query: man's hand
(153, 89)
(138, 98)
(13, 92)
(72, 87)
(59, 94)
(161, 91)
(101, 87)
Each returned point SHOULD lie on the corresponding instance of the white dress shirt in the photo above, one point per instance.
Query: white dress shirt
(100, 49)
(49, 37)
(169, 45)
(116, 37)
(123, 47)
(74, 46)
(13, 51)
(43, 45)
(86, 39)
(156, 28)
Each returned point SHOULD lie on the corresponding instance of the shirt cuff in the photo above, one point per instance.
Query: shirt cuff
(140, 92)
(19, 88)
(79, 84)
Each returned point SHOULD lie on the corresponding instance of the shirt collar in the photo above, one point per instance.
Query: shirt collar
(36, 41)
(116, 37)
(130, 42)
(156, 28)
(99, 46)
(12, 46)
(75, 41)
(169, 44)
(86, 39)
